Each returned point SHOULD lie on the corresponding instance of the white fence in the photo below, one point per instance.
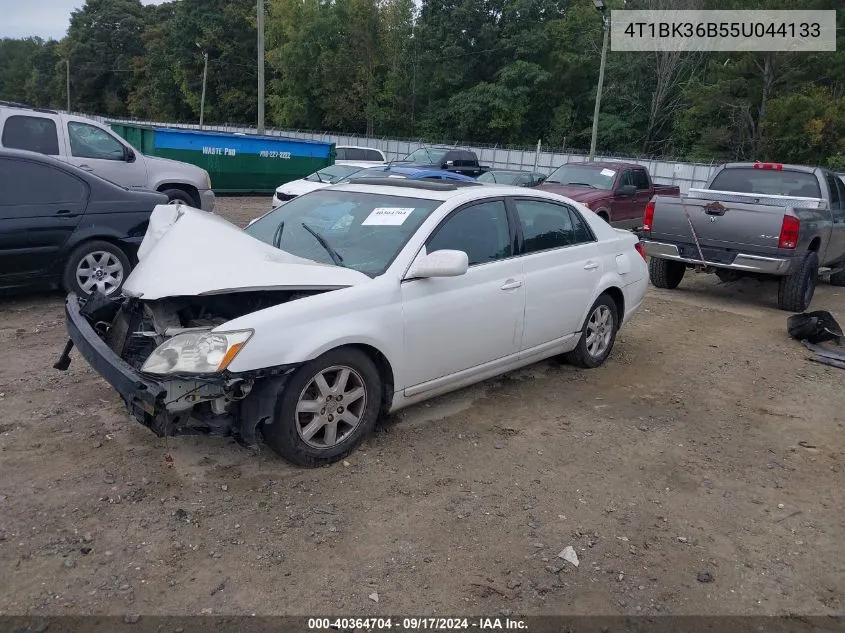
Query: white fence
(684, 175)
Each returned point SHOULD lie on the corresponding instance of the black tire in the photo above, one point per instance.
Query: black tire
(727, 276)
(101, 252)
(283, 434)
(604, 215)
(838, 278)
(177, 195)
(665, 273)
(795, 291)
(581, 355)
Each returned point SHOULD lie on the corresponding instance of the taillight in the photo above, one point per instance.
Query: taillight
(789, 232)
(648, 216)
(775, 166)
(641, 250)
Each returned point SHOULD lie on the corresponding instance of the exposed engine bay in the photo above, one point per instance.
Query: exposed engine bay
(205, 404)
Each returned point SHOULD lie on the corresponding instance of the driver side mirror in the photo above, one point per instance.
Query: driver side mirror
(128, 155)
(442, 263)
(626, 191)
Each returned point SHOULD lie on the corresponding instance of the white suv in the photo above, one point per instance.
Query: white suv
(94, 147)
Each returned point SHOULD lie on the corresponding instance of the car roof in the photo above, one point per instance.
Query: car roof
(411, 172)
(510, 171)
(443, 191)
(375, 149)
(36, 156)
(604, 164)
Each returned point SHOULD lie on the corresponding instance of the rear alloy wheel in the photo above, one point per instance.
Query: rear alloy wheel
(96, 266)
(326, 408)
(598, 335)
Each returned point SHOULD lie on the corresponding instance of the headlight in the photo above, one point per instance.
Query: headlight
(196, 353)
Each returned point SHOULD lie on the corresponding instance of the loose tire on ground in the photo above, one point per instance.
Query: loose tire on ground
(665, 273)
(95, 265)
(795, 291)
(308, 405)
(177, 195)
(602, 322)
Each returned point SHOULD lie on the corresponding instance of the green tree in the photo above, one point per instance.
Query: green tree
(103, 40)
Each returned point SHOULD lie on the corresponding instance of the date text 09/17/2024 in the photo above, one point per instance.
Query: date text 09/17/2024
(416, 624)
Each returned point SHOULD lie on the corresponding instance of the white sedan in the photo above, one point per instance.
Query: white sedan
(353, 301)
(319, 179)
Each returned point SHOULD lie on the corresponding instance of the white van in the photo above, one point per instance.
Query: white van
(94, 147)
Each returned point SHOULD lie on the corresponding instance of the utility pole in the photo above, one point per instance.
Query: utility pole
(204, 79)
(261, 66)
(67, 82)
(599, 4)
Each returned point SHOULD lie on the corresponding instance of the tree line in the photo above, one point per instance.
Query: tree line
(487, 71)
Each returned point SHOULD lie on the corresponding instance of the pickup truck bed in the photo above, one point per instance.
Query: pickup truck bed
(791, 231)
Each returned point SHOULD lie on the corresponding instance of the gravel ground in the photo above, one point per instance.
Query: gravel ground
(707, 449)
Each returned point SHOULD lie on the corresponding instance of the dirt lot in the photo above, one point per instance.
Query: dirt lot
(680, 457)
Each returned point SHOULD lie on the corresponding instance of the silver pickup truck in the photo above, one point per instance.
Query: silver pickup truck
(752, 219)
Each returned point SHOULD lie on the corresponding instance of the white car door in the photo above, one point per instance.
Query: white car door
(562, 266)
(93, 149)
(453, 324)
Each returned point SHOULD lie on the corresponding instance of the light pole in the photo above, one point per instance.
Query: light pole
(260, 66)
(67, 83)
(204, 78)
(599, 4)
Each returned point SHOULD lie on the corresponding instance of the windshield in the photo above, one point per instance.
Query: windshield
(362, 231)
(332, 173)
(426, 156)
(595, 177)
(766, 181)
(501, 177)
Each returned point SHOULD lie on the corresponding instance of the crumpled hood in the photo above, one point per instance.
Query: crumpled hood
(188, 252)
(585, 195)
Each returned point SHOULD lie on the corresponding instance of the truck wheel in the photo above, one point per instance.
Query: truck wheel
(665, 273)
(326, 408)
(838, 278)
(727, 276)
(597, 336)
(604, 215)
(177, 195)
(795, 291)
(96, 265)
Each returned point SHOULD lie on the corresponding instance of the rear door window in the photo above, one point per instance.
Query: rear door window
(33, 133)
(547, 225)
(24, 182)
(767, 182)
(640, 179)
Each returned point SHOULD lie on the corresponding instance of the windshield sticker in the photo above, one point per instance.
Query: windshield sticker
(388, 216)
(608, 172)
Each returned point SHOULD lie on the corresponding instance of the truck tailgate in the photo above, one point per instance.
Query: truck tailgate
(732, 226)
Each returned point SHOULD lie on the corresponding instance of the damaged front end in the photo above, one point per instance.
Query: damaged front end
(129, 342)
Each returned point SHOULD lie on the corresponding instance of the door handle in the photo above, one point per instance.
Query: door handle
(591, 266)
(510, 284)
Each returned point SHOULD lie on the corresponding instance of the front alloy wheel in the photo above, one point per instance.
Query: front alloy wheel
(326, 408)
(330, 407)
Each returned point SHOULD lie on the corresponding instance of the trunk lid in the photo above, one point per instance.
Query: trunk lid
(187, 252)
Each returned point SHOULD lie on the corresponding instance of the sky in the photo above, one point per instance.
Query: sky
(45, 18)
